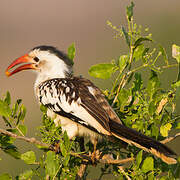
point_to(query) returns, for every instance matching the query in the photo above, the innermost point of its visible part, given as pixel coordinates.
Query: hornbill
(77, 104)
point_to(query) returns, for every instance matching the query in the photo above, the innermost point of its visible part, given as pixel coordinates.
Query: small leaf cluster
(58, 164)
(14, 121)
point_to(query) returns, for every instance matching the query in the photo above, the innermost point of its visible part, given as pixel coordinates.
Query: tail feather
(148, 144)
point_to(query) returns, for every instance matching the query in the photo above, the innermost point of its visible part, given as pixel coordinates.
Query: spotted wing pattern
(76, 97)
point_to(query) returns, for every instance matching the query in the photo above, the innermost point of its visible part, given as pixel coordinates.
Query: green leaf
(153, 84)
(26, 175)
(12, 150)
(138, 52)
(155, 130)
(176, 84)
(22, 114)
(23, 129)
(123, 60)
(43, 108)
(51, 164)
(129, 11)
(164, 178)
(139, 41)
(148, 165)
(178, 125)
(6, 140)
(66, 141)
(164, 54)
(103, 71)
(139, 158)
(144, 54)
(8, 98)
(176, 52)
(63, 148)
(7, 122)
(177, 171)
(164, 129)
(29, 157)
(152, 108)
(137, 83)
(66, 160)
(126, 36)
(4, 109)
(71, 52)
(123, 97)
(151, 176)
(5, 176)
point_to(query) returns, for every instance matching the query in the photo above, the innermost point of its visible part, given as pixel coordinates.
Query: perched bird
(77, 104)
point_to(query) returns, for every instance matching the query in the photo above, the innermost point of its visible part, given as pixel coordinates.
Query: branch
(119, 87)
(124, 173)
(116, 161)
(81, 171)
(30, 140)
(86, 158)
(170, 138)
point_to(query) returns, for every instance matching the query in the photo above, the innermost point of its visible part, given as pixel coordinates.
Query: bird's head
(47, 61)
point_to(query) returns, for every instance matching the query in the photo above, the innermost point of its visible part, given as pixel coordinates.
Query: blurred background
(26, 24)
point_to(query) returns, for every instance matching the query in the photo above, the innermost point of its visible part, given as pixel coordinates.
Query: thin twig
(81, 171)
(170, 138)
(117, 93)
(169, 66)
(116, 161)
(123, 172)
(30, 140)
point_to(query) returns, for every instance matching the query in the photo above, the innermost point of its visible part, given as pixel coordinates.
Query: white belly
(73, 129)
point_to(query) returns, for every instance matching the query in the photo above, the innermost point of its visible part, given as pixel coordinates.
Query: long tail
(148, 144)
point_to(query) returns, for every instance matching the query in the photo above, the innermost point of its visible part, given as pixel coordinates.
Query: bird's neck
(51, 75)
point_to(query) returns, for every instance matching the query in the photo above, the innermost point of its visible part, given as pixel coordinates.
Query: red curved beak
(25, 63)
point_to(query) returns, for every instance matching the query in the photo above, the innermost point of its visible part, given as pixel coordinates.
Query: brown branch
(161, 105)
(170, 138)
(30, 140)
(124, 173)
(85, 157)
(115, 161)
(81, 171)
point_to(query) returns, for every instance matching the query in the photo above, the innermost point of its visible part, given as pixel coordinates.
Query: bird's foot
(94, 156)
(55, 147)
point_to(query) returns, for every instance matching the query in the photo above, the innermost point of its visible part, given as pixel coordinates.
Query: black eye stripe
(36, 59)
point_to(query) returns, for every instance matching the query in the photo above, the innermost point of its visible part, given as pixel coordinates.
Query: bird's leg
(93, 155)
(55, 147)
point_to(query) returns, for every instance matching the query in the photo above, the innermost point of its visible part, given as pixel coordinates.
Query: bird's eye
(36, 59)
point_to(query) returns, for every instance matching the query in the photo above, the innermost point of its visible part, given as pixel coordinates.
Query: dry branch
(86, 158)
(30, 140)
(170, 138)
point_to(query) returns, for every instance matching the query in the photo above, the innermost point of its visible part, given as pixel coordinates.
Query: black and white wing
(79, 100)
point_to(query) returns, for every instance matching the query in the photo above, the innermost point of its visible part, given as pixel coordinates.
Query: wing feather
(73, 96)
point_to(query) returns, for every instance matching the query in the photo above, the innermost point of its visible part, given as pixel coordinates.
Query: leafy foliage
(141, 103)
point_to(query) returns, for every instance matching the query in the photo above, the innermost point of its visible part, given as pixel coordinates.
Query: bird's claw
(55, 147)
